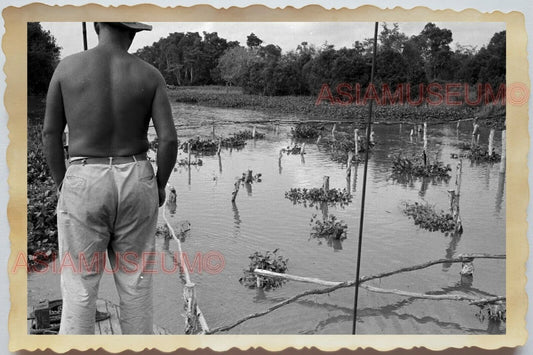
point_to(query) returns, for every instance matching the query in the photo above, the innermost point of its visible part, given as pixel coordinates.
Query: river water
(263, 219)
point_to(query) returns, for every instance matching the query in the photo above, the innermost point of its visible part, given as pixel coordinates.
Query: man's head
(128, 29)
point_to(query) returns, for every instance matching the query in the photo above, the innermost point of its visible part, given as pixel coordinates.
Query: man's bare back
(107, 97)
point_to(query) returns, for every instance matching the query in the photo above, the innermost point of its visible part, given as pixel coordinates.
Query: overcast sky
(285, 34)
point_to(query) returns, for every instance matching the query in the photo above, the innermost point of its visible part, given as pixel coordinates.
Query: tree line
(189, 59)
(192, 59)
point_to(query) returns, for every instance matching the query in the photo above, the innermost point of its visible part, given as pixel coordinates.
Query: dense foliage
(328, 228)
(270, 261)
(188, 58)
(317, 195)
(42, 201)
(425, 216)
(43, 56)
(417, 168)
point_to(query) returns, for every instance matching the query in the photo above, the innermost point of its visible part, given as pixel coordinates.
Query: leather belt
(108, 160)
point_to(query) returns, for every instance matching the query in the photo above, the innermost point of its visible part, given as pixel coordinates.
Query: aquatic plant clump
(417, 168)
(328, 228)
(495, 312)
(305, 131)
(317, 195)
(270, 261)
(248, 134)
(478, 154)
(425, 216)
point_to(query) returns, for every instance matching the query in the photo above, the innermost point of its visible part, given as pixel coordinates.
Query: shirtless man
(109, 194)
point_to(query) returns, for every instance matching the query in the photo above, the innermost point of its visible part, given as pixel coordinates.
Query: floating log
(504, 153)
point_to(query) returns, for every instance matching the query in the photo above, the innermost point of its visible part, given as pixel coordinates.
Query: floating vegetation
(494, 312)
(464, 146)
(306, 131)
(479, 154)
(270, 261)
(328, 228)
(416, 167)
(318, 195)
(425, 216)
(185, 162)
(248, 177)
(200, 145)
(295, 149)
(163, 232)
(248, 134)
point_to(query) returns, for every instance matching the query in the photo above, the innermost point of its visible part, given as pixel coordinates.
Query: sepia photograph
(266, 178)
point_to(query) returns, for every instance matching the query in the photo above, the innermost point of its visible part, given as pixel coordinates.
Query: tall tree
(252, 41)
(43, 56)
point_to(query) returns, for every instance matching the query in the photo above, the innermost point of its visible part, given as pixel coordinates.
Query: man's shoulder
(146, 67)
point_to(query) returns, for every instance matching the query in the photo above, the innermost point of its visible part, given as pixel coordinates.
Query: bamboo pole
(504, 153)
(84, 30)
(363, 193)
(194, 313)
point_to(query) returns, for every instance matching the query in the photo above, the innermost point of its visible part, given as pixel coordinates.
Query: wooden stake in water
(425, 137)
(253, 132)
(504, 153)
(189, 154)
(318, 139)
(356, 138)
(491, 141)
(236, 187)
(325, 184)
(302, 150)
(333, 130)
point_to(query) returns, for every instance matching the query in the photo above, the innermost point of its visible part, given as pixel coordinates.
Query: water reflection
(499, 192)
(236, 220)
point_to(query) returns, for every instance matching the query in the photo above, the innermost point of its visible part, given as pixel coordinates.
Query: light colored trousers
(109, 208)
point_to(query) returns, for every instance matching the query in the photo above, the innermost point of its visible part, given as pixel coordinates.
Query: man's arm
(166, 133)
(53, 127)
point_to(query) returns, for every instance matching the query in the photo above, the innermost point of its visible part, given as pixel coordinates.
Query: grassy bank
(304, 106)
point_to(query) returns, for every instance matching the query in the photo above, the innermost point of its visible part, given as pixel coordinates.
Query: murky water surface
(262, 219)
